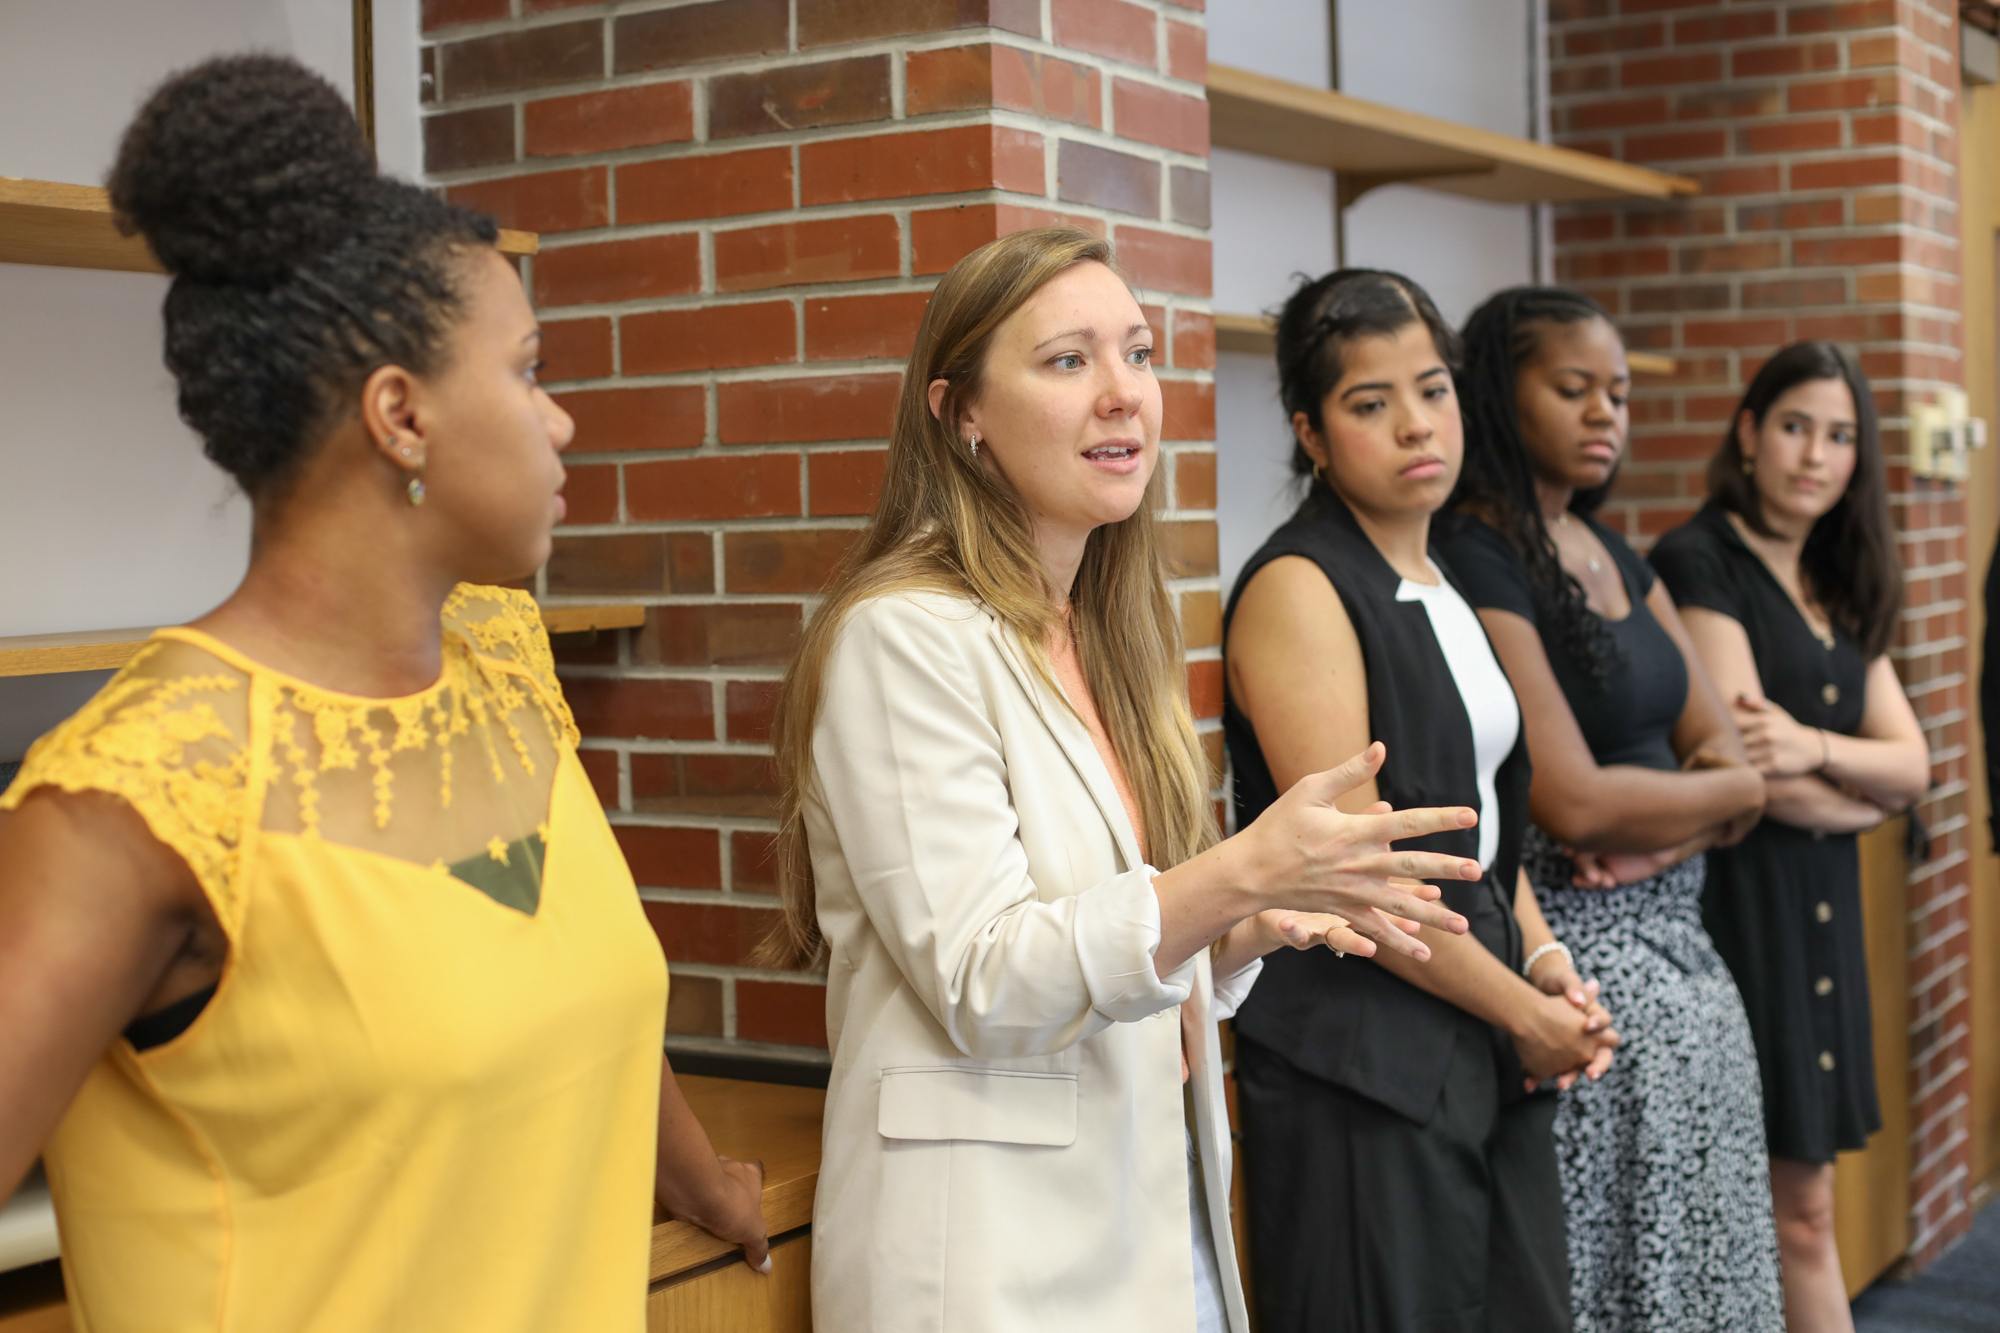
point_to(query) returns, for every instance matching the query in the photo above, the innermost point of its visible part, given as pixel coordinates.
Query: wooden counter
(700, 1284)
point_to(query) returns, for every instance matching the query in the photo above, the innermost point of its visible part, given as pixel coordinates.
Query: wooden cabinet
(1871, 1205)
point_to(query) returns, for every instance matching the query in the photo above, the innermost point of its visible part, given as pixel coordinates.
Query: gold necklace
(1594, 564)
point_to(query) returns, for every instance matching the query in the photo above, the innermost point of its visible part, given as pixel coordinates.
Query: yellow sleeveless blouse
(424, 1096)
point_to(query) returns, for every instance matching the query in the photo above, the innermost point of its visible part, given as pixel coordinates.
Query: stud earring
(1749, 467)
(406, 451)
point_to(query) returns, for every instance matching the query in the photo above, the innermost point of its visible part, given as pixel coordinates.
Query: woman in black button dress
(1789, 585)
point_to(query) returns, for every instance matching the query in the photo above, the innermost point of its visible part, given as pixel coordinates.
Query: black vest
(1347, 1020)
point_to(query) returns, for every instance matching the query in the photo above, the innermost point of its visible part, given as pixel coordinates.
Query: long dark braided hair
(1497, 484)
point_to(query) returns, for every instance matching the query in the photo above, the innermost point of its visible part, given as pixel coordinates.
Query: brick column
(743, 206)
(1825, 139)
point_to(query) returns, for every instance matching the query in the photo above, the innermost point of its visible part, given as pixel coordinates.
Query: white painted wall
(1463, 60)
(109, 514)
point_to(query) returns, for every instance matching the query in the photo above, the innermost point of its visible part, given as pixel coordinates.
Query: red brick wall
(1825, 139)
(743, 204)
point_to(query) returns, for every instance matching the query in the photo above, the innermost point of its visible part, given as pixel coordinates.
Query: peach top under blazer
(1005, 1144)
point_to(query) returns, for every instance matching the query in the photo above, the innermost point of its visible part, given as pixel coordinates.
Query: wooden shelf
(69, 226)
(1258, 335)
(578, 619)
(1371, 145)
(89, 650)
(108, 649)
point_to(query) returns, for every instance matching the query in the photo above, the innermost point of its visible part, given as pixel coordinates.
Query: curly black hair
(1497, 484)
(298, 269)
(1324, 314)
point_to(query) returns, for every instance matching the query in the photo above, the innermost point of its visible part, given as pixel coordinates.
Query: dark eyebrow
(1591, 374)
(1380, 386)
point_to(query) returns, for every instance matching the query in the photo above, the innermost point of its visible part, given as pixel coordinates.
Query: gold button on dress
(1829, 694)
(1824, 986)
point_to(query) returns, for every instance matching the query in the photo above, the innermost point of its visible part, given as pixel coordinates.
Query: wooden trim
(1254, 113)
(561, 619)
(70, 226)
(109, 649)
(88, 650)
(364, 68)
(1258, 336)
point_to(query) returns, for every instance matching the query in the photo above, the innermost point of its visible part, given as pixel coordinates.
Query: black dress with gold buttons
(1784, 905)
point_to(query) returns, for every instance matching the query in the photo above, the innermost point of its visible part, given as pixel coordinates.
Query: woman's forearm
(687, 1175)
(1891, 774)
(1625, 808)
(1201, 901)
(1812, 803)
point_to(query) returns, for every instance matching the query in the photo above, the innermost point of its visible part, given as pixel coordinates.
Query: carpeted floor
(1960, 1293)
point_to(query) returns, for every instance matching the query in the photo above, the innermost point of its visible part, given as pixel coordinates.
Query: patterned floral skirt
(1664, 1174)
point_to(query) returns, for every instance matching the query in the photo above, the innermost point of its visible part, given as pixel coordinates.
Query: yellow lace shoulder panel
(168, 735)
(505, 625)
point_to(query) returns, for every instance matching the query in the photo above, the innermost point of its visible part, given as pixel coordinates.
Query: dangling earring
(1749, 467)
(974, 444)
(415, 490)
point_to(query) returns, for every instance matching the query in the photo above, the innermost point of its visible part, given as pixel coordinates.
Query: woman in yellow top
(324, 990)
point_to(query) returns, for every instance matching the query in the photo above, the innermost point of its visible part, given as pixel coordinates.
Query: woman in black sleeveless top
(1637, 771)
(1789, 583)
(1400, 1176)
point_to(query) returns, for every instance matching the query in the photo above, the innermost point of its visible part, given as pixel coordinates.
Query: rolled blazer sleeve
(1231, 991)
(911, 774)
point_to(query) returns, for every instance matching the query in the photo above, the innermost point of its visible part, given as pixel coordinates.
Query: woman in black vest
(1789, 583)
(1400, 1175)
(1637, 771)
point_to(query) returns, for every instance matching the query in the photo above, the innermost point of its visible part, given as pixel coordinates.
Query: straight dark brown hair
(1849, 564)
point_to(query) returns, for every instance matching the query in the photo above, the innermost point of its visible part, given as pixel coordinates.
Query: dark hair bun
(241, 168)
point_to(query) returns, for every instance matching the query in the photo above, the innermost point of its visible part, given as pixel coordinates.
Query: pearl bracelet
(1553, 946)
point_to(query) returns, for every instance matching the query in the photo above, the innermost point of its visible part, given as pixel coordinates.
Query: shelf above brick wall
(1258, 336)
(109, 649)
(1370, 145)
(70, 226)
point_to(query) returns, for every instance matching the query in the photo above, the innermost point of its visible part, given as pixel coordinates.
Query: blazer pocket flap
(991, 1105)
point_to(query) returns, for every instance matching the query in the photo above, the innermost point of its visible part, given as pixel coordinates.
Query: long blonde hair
(945, 523)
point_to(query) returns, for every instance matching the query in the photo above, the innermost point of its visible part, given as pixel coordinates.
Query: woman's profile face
(1069, 411)
(492, 470)
(1804, 453)
(1392, 442)
(1571, 398)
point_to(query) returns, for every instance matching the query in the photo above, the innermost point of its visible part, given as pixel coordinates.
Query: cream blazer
(1006, 1129)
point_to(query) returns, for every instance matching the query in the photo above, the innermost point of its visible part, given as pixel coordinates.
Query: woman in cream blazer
(983, 735)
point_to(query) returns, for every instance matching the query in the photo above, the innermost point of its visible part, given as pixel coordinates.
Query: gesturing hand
(1314, 858)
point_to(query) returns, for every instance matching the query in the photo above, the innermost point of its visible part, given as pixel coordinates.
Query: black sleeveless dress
(1664, 1172)
(1784, 905)
(1398, 1177)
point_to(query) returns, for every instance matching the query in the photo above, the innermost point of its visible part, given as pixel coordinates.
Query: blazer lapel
(1074, 738)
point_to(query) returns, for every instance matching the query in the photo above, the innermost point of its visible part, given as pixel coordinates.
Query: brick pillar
(1825, 139)
(743, 206)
